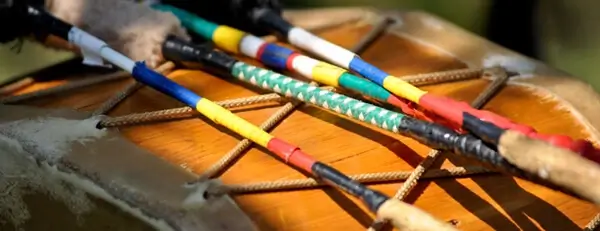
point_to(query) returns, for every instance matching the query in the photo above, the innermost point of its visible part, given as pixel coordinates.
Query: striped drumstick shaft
(329, 100)
(453, 111)
(275, 56)
(278, 57)
(224, 117)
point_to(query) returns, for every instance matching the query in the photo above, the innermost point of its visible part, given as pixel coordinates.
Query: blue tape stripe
(164, 85)
(367, 70)
(275, 56)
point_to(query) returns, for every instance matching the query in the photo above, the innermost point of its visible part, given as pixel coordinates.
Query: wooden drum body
(416, 43)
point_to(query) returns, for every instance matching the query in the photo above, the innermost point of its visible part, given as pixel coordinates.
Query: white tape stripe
(304, 65)
(91, 59)
(89, 46)
(333, 53)
(98, 47)
(250, 45)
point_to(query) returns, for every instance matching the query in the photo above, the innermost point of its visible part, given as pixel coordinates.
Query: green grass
(33, 57)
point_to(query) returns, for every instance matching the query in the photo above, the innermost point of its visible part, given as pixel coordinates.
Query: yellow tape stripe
(224, 117)
(228, 38)
(403, 89)
(327, 74)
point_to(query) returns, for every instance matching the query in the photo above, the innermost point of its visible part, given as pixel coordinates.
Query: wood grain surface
(491, 202)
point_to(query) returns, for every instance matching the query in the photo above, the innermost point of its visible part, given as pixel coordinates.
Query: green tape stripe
(363, 86)
(202, 27)
(329, 100)
(206, 29)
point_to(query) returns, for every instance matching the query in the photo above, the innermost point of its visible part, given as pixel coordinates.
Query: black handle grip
(234, 13)
(181, 51)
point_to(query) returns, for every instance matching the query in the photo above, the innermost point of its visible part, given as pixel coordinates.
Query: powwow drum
(123, 170)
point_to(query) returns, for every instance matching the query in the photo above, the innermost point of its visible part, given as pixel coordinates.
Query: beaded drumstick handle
(278, 57)
(452, 110)
(292, 155)
(426, 132)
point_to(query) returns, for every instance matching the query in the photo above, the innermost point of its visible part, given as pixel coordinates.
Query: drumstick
(278, 57)
(428, 133)
(377, 202)
(452, 110)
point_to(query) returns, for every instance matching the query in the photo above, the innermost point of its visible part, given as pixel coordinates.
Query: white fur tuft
(132, 28)
(511, 63)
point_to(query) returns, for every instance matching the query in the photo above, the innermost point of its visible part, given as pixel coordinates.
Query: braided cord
(329, 100)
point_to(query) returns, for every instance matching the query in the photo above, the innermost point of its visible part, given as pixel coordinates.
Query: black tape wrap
(44, 24)
(442, 138)
(373, 199)
(179, 50)
(269, 19)
(484, 130)
(14, 19)
(234, 13)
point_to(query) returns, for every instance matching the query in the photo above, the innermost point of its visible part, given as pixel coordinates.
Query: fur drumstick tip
(406, 217)
(557, 165)
(134, 29)
(572, 171)
(491, 133)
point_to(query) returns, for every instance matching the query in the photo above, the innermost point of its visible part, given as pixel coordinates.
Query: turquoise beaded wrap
(353, 108)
